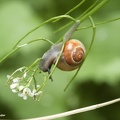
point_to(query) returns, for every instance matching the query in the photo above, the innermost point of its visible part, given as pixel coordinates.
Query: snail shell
(73, 53)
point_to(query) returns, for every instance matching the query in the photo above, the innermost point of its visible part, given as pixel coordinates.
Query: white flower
(13, 85)
(15, 90)
(16, 80)
(8, 76)
(25, 93)
(38, 93)
(20, 87)
(35, 93)
(22, 95)
(25, 74)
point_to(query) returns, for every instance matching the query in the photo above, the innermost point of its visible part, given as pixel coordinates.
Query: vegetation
(28, 28)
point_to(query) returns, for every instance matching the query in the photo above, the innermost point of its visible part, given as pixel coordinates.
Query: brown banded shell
(73, 53)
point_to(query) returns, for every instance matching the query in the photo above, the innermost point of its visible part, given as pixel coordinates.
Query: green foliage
(98, 79)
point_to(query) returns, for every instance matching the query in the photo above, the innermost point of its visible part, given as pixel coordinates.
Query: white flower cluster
(23, 91)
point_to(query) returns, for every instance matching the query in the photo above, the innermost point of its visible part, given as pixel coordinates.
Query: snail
(72, 55)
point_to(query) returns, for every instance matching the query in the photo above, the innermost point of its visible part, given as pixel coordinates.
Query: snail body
(73, 53)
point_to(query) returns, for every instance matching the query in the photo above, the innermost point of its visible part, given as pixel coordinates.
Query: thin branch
(71, 10)
(47, 21)
(80, 110)
(93, 38)
(100, 23)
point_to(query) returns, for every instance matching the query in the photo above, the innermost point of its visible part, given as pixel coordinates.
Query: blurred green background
(99, 78)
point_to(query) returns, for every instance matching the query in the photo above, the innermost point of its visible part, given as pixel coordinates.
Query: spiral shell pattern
(73, 53)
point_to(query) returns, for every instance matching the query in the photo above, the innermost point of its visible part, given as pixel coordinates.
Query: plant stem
(99, 23)
(44, 39)
(90, 8)
(93, 10)
(71, 10)
(47, 21)
(93, 37)
(16, 49)
(76, 111)
(20, 46)
(87, 13)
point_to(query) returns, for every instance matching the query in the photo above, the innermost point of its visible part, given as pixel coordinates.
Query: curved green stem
(87, 13)
(89, 8)
(53, 69)
(47, 21)
(33, 64)
(93, 37)
(9, 54)
(23, 45)
(43, 39)
(71, 10)
(99, 23)
(93, 10)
